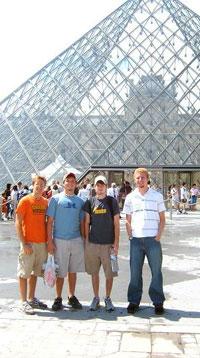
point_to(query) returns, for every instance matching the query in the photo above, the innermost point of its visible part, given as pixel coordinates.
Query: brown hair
(36, 177)
(141, 171)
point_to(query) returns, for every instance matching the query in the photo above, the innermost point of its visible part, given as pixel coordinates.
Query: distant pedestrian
(8, 200)
(194, 192)
(47, 192)
(54, 189)
(184, 197)
(3, 207)
(88, 187)
(14, 201)
(84, 193)
(113, 191)
(176, 198)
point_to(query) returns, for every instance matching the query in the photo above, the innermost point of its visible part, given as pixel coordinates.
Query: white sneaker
(108, 304)
(26, 308)
(95, 304)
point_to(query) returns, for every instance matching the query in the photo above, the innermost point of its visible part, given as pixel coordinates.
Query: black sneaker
(132, 308)
(57, 305)
(159, 309)
(74, 303)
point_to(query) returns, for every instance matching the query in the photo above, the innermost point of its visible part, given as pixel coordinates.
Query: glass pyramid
(126, 94)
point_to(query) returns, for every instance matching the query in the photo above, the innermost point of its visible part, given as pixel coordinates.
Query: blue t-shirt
(67, 213)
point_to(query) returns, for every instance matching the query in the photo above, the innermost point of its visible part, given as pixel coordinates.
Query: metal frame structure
(125, 94)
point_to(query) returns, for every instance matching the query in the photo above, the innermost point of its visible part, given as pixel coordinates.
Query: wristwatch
(130, 237)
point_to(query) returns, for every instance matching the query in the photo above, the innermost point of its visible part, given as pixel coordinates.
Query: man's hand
(158, 237)
(115, 248)
(27, 248)
(51, 247)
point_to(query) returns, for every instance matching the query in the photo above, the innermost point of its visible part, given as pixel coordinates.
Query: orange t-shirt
(33, 212)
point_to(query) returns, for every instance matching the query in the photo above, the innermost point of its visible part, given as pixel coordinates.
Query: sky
(33, 32)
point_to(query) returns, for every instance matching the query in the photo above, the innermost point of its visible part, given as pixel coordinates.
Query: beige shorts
(32, 264)
(97, 255)
(69, 256)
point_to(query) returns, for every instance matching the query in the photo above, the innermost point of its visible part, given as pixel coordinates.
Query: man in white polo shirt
(145, 221)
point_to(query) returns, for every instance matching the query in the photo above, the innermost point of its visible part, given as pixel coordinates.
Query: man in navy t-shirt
(102, 239)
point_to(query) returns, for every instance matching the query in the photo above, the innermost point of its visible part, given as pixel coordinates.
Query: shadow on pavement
(170, 314)
(144, 312)
(84, 314)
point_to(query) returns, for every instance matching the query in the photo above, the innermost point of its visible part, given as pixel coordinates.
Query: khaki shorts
(32, 264)
(97, 255)
(69, 256)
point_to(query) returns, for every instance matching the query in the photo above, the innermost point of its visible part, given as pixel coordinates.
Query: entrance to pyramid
(125, 95)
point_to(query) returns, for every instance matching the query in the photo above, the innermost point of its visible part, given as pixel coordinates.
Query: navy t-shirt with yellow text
(101, 214)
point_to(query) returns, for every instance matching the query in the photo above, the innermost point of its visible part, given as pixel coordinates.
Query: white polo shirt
(145, 211)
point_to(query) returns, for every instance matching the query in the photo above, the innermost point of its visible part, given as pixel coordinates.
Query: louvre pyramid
(125, 94)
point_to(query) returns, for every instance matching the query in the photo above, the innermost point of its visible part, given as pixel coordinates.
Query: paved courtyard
(100, 334)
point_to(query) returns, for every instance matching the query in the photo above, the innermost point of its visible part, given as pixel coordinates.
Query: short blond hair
(141, 171)
(36, 177)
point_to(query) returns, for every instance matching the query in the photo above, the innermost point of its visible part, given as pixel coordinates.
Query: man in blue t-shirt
(65, 231)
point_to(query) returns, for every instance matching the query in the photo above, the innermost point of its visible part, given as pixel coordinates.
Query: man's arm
(161, 225)
(18, 224)
(87, 226)
(128, 225)
(117, 232)
(50, 243)
(82, 227)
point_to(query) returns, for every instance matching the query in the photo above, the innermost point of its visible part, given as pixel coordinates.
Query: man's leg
(25, 307)
(93, 264)
(76, 264)
(57, 305)
(137, 256)
(96, 300)
(31, 287)
(108, 302)
(71, 283)
(23, 288)
(61, 258)
(59, 286)
(72, 299)
(32, 300)
(154, 256)
(95, 284)
(40, 257)
(24, 269)
(109, 284)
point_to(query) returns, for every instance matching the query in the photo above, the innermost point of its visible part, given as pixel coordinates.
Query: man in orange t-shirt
(31, 230)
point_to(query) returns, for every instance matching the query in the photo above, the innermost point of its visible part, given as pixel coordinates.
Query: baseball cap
(69, 174)
(100, 178)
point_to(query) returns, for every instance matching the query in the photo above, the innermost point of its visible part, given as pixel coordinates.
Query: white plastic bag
(50, 271)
